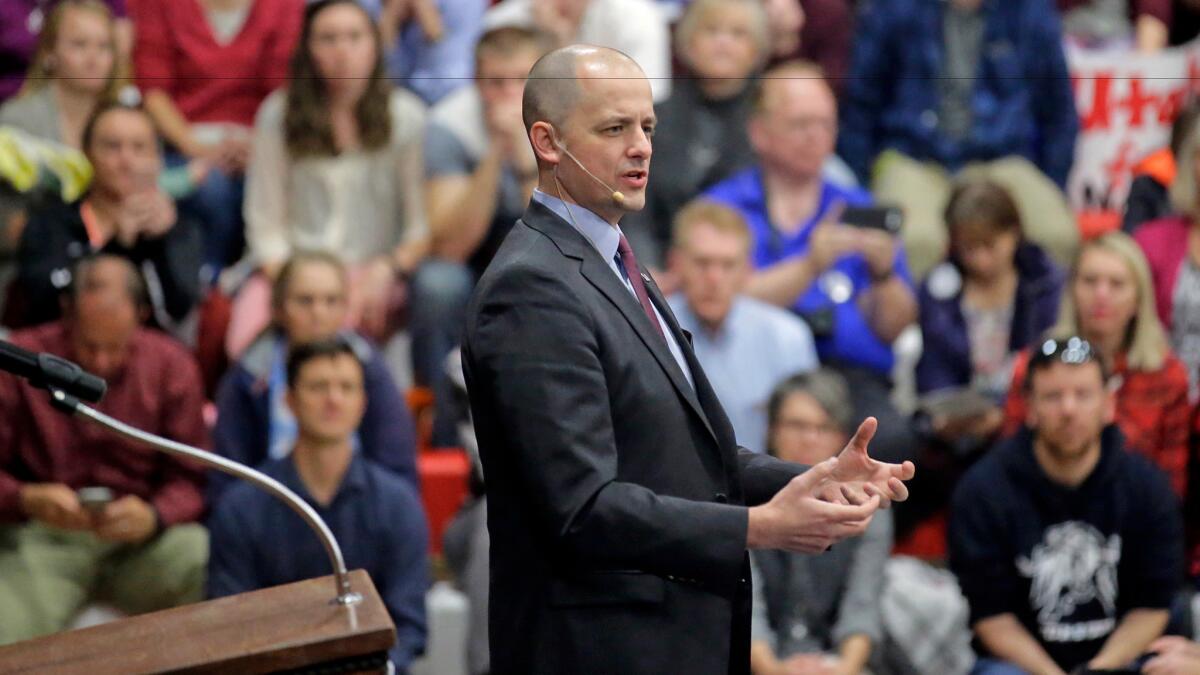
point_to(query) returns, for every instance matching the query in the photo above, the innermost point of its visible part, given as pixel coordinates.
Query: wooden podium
(295, 628)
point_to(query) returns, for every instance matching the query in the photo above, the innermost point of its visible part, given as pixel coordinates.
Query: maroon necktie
(633, 272)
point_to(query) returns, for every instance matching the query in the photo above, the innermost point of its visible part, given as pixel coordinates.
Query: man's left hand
(129, 519)
(856, 477)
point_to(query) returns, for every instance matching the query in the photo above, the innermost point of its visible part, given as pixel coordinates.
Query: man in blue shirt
(745, 345)
(257, 541)
(850, 284)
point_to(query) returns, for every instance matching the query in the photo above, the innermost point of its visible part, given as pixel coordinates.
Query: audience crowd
(261, 221)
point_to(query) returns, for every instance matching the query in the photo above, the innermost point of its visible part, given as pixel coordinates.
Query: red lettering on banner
(1135, 101)
(1118, 169)
(1099, 116)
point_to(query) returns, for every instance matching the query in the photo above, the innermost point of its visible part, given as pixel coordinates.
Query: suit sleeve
(764, 475)
(534, 365)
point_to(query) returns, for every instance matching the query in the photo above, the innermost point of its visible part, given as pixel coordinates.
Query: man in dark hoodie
(1067, 548)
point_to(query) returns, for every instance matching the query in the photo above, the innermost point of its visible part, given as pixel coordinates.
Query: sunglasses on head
(1073, 350)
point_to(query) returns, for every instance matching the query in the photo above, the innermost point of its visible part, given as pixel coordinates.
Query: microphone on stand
(47, 371)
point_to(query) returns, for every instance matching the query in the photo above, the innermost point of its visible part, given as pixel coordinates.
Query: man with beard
(1068, 548)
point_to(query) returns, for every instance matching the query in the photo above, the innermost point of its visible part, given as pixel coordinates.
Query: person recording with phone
(85, 514)
(851, 283)
(124, 213)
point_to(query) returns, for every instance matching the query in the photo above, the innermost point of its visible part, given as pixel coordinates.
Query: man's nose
(641, 148)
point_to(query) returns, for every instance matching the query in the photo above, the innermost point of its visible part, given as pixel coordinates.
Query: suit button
(721, 498)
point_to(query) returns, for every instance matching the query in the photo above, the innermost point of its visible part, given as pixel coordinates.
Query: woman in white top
(336, 165)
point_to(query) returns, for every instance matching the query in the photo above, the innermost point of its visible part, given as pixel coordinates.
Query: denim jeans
(438, 294)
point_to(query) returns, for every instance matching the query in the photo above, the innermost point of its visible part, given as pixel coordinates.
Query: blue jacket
(377, 518)
(946, 357)
(1022, 102)
(243, 403)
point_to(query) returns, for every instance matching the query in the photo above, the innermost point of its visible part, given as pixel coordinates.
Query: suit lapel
(573, 244)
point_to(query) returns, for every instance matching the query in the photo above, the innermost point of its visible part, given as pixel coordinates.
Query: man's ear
(290, 400)
(542, 136)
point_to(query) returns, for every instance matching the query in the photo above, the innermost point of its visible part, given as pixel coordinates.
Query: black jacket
(614, 487)
(56, 238)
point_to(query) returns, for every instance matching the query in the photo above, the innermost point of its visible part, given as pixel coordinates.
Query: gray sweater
(811, 603)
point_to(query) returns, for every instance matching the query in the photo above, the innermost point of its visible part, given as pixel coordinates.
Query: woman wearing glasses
(817, 614)
(1110, 302)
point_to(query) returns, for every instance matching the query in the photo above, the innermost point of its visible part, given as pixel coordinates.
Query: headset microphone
(616, 195)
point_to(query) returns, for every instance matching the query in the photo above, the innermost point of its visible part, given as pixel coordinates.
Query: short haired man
(257, 541)
(851, 284)
(616, 491)
(745, 345)
(309, 302)
(141, 551)
(1068, 548)
(124, 213)
(479, 168)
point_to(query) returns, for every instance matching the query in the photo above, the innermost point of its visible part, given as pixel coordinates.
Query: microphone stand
(345, 596)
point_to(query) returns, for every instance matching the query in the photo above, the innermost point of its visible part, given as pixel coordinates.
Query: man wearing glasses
(1067, 547)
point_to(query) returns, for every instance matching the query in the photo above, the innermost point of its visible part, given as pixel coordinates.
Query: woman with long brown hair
(336, 165)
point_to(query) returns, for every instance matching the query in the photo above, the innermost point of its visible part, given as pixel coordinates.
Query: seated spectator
(73, 70)
(377, 518)
(142, 551)
(1068, 549)
(990, 299)
(431, 43)
(479, 166)
(1144, 24)
(204, 67)
(935, 87)
(254, 423)
(1109, 302)
(851, 284)
(635, 27)
(124, 213)
(1174, 265)
(25, 20)
(745, 345)
(337, 166)
(818, 614)
(721, 44)
(1149, 193)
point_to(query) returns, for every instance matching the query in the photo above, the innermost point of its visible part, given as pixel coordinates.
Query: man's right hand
(54, 504)
(799, 519)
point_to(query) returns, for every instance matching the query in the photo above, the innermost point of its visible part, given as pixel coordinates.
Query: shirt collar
(604, 236)
(354, 480)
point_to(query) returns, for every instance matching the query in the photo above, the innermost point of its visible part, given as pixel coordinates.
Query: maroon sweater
(158, 389)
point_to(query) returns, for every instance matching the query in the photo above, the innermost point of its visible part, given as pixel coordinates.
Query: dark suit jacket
(614, 487)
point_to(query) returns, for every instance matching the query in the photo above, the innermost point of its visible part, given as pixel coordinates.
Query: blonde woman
(1109, 301)
(74, 69)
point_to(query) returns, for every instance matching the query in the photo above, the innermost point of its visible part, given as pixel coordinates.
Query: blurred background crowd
(261, 221)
